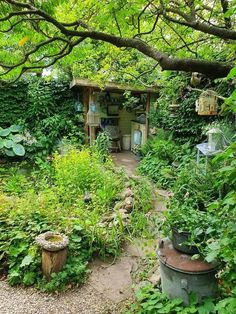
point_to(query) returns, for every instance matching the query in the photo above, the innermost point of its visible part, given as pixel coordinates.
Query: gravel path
(84, 300)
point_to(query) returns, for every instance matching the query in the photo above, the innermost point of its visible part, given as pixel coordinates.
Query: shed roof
(111, 86)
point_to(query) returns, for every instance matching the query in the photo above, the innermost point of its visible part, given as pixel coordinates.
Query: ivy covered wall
(45, 108)
(34, 99)
(14, 103)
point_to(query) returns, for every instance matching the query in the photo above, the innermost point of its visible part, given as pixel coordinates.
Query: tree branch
(197, 25)
(209, 68)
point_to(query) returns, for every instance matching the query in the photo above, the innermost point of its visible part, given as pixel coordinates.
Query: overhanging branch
(167, 62)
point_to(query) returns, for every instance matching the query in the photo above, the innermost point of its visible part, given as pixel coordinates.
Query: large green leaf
(8, 143)
(9, 153)
(16, 128)
(18, 149)
(16, 138)
(5, 132)
(27, 260)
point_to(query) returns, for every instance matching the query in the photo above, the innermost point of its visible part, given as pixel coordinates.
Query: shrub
(163, 159)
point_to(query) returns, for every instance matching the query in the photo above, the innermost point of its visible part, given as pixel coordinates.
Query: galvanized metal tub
(180, 275)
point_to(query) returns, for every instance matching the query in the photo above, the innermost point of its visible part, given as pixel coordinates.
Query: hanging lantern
(78, 106)
(207, 103)
(214, 139)
(93, 115)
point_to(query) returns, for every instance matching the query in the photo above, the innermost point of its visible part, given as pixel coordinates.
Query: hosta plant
(10, 139)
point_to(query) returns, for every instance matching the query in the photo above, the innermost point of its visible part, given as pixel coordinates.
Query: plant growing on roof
(10, 139)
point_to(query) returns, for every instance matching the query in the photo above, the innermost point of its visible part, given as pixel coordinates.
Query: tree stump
(54, 252)
(53, 262)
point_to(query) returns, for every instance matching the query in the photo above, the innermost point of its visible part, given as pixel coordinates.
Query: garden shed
(121, 110)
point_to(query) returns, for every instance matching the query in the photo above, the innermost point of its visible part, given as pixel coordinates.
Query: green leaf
(15, 128)
(27, 260)
(18, 149)
(8, 143)
(17, 138)
(9, 153)
(1, 143)
(5, 132)
(29, 278)
(232, 73)
(207, 307)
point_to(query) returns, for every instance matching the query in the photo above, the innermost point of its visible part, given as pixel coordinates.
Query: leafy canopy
(178, 35)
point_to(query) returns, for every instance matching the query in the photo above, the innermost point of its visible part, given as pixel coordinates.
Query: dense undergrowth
(204, 198)
(204, 205)
(51, 198)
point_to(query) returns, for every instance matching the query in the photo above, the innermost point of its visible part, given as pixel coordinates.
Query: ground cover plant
(150, 300)
(52, 198)
(163, 158)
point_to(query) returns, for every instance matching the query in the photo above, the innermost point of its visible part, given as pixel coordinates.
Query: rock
(87, 197)
(128, 203)
(123, 213)
(128, 193)
(155, 279)
(107, 218)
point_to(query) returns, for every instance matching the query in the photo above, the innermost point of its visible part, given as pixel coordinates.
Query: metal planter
(180, 275)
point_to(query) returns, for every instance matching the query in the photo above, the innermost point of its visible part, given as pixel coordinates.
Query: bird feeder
(54, 251)
(93, 115)
(214, 139)
(207, 103)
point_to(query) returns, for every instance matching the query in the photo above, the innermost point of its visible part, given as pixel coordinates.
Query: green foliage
(10, 139)
(52, 199)
(184, 123)
(222, 247)
(150, 300)
(162, 160)
(103, 145)
(46, 110)
(14, 103)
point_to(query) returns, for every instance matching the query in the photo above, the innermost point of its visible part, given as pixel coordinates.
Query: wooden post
(86, 95)
(53, 262)
(147, 114)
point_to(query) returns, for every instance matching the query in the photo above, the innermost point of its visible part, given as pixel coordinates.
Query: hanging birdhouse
(93, 115)
(207, 103)
(195, 79)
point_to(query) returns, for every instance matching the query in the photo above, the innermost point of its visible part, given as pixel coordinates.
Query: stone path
(125, 160)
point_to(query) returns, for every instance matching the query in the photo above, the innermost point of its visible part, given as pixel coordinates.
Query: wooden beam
(79, 82)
